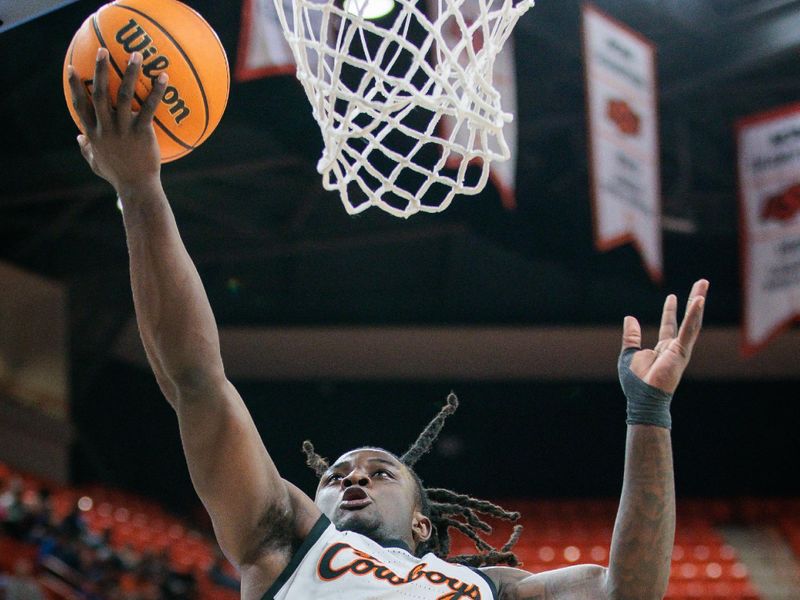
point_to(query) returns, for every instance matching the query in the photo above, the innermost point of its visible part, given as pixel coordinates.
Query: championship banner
(263, 50)
(769, 190)
(623, 138)
(503, 174)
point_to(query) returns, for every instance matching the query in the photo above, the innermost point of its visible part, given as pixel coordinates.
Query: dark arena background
(352, 330)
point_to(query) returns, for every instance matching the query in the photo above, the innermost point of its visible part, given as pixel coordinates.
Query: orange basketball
(172, 38)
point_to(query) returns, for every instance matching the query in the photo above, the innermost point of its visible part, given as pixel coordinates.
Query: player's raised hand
(663, 366)
(119, 143)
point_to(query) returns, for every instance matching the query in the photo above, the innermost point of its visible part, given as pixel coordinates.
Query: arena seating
(564, 533)
(133, 521)
(785, 514)
(557, 534)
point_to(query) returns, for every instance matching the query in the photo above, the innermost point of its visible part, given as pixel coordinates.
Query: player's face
(369, 491)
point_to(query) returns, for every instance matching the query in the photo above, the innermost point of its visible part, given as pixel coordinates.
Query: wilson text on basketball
(133, 38)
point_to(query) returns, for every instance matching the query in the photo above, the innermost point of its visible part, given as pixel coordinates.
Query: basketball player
(372, 531)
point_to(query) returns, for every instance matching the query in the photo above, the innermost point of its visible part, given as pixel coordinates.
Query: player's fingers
(692, 322)
(100, 96)
(127, 89)
(631, 334)
(151, 102)
(669, 319)
(80, 101)
(700, 288)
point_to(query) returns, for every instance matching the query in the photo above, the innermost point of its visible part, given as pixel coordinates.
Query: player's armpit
(581, 582)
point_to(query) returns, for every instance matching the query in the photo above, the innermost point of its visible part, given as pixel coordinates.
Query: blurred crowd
(73, 556)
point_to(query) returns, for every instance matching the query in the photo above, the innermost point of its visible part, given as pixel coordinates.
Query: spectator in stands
(41, 509)
(13, 507)
(95, 569)
(74, 525)
(128, 557)
(67, 551)
(105, 553)
(47, 539)
(178, 586)
(22, 585)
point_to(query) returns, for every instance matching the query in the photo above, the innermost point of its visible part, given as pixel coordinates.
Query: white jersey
(343, 565)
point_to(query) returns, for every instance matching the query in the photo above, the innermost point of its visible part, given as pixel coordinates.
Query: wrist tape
(647, 405)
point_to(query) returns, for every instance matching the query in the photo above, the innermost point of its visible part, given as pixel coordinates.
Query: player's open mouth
(354, 498)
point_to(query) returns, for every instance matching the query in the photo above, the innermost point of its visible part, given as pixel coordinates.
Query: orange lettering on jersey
(363, 564)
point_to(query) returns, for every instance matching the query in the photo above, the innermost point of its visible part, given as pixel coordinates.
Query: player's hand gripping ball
(172, 38)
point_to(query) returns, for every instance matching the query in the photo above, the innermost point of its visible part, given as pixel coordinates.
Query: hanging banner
(263, 50)
(503, 174)
(623, 138)
(769, 191)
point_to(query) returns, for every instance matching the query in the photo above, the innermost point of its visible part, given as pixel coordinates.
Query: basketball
(172, 38)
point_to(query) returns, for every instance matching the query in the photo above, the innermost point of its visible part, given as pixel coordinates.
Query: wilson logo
(133, 38)
(349, 560)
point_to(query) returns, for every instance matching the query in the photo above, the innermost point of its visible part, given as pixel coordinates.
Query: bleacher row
(557, 534)
(563, 533)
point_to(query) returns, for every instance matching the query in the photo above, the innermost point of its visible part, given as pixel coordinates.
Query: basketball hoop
(381, 95)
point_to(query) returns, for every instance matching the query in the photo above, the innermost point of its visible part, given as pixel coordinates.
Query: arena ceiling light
(369, 9)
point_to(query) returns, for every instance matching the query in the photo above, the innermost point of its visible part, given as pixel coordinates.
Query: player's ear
(421, 527)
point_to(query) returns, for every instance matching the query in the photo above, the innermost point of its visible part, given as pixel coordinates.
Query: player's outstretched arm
(641, 546)
(250, 505)
(644, 532)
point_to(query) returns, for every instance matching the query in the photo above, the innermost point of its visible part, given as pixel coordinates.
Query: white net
(398, 99)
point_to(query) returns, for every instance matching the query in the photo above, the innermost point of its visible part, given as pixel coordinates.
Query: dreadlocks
(447, 509)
